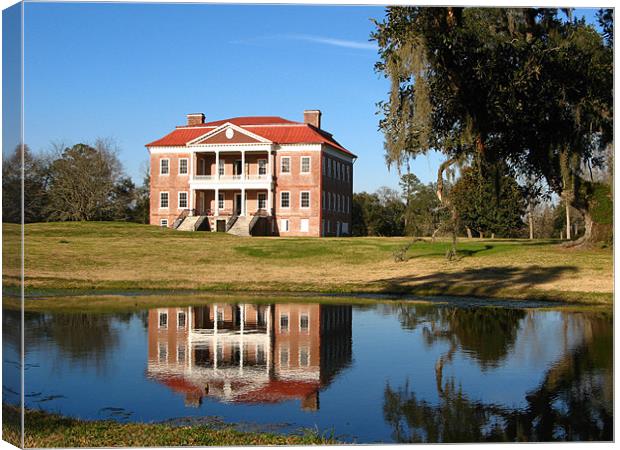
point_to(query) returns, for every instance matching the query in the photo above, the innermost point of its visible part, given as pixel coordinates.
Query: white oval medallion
(229, 133)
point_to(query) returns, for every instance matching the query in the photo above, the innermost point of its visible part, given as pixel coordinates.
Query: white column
(217, 165)
(270, 199)
(190, 201)
(217, 201)
(242, 165)
(243, 201)
(270, 168)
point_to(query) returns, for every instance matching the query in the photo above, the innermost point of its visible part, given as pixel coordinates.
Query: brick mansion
(260, 175)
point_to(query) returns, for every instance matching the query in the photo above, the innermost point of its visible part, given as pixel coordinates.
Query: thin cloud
(325, 40)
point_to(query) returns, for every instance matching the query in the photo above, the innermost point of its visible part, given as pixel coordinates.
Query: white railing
(231, 177)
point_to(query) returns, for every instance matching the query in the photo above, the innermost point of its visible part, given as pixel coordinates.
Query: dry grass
(118, 256)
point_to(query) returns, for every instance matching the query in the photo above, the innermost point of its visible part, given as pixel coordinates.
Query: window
(305, 199)
(262, 201)
(323, 166)
(284, 356)
(163, 223)
(183, 166)
(220, 201)
(345, 227)
(220, 168)
(262, 167)
(304, 225)
(285, 199)
(182, 200)
(328, 227)
(305, 164)
(348, 204)
(349, 173)
(164, 166)
(323, 205)
(285, 164)
(304, 356)
(220, 316)
(283, 322)
(260, 354)
(181, 319)
(163, 320)
(181, 353)
(163, 199)
(284, 225)
(329, 167)
(304, 322)
(323, 227)
(162, 351)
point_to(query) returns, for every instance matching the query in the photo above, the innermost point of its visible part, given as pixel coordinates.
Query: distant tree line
(486, 206)
(80, 182)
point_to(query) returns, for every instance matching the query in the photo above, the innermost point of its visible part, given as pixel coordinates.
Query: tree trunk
(481, 233)
(531, 221)
(568, 225)
(492, 235)
(469, 236)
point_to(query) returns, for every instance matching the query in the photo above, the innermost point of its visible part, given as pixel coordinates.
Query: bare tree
(83, 178)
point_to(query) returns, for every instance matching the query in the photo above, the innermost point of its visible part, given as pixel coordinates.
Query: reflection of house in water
(249, 353)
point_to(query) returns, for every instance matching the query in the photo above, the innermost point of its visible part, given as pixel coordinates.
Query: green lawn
(130, 257)
(44, 430)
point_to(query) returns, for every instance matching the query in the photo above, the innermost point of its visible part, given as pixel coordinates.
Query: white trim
(288, 322)
(307, 349)
(161, 314)
(334, 152)
(185, 324)
(258, 195)
(284, 349)
(301, 165)
(167, 198)
(288, 225)
(301, 227)
(159, 347)
(258, 161)
(161, 160)
(179, 200)
(289, 199)
(301, 206)
(223, 127)
(282, 158)
(186, 166)
(184, 347)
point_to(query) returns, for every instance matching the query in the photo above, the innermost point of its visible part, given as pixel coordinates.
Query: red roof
(274, 129)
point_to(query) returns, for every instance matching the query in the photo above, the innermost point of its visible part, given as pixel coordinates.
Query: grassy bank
(118, 257)
(50, 430)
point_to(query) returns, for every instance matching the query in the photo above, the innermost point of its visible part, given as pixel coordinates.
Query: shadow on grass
(487, 281)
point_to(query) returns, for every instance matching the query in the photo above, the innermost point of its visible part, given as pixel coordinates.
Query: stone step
(188, 223)
(241, 226)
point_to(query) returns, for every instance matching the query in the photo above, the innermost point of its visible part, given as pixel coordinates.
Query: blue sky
(132, 72)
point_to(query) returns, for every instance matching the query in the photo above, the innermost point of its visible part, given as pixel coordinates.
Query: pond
(387, 372)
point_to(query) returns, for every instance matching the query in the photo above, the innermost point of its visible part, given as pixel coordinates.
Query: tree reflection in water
(573, 402)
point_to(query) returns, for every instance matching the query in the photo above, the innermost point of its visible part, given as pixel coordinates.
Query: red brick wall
(332, 185)
(172, 183)
(296, 182)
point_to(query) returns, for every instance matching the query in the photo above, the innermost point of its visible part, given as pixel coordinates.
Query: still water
(382, 373)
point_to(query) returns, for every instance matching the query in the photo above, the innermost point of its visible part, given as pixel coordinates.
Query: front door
(238, 204)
